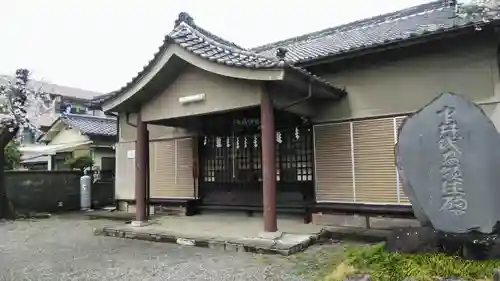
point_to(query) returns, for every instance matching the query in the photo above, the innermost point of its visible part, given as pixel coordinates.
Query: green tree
(12, 155)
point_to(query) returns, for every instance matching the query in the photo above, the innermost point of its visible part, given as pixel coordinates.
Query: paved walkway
(64, 248)
(224, 232)
(232, 225)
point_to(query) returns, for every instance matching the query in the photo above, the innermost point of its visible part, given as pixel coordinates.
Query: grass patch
(335, 262)
(387, 266)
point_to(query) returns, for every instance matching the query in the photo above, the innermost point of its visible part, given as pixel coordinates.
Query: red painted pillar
(268, 136)
(141, 170)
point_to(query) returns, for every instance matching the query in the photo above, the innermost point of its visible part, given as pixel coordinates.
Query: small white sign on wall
(130, 154)
(192, 98)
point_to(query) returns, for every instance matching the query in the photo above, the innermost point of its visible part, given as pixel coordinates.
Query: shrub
(80, 163)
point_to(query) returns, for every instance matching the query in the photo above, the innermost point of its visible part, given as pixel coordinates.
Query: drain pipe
(281, 54)
(117, 116)
(309, 95)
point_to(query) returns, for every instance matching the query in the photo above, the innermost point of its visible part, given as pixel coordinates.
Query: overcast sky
(101, 44)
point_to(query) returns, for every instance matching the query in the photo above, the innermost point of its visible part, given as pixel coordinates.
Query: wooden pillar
(268, 136)
(141, 170)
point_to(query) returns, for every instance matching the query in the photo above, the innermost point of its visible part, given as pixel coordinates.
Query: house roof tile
(206, 45)
(199, 42)
(91, 125)
(430, 18)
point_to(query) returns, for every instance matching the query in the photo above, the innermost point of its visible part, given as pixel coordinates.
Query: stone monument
(448, 158)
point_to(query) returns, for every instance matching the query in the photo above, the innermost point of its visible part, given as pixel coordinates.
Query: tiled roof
(204, 44)
(430, 18)
(192, 39)
(91, 125)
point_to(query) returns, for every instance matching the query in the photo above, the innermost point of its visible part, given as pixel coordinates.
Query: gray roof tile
(429, 18)
(200, 42)
(91, 125)
(197, 42)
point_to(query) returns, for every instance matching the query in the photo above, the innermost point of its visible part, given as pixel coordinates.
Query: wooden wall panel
(171, 169)
(333, 163)
(355, 162)
(374, 161)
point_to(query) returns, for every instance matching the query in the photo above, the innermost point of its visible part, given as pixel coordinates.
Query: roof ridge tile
(437, 17)
(219, 46)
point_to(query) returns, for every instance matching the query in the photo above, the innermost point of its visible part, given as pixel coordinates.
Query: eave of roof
(204, 44)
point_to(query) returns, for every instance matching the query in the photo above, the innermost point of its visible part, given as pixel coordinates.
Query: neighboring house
(75, 135)
(66, 100)
(203, 98)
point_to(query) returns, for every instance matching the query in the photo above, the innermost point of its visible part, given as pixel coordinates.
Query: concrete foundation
(229, 233)
(240, 233)
(375, 222)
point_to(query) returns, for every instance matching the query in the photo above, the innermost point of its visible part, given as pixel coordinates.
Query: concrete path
(64, 248)
(224, 232)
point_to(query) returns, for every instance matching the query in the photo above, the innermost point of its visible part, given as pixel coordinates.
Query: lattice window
(210, 163)
(228, 159)
(243, 163)
(295, 156)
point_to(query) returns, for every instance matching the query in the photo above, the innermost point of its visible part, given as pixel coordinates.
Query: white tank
(85, 192)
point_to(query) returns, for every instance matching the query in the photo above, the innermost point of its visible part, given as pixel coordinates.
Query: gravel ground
(64, 248)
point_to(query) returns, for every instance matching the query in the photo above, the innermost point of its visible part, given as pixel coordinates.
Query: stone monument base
(473, 245)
